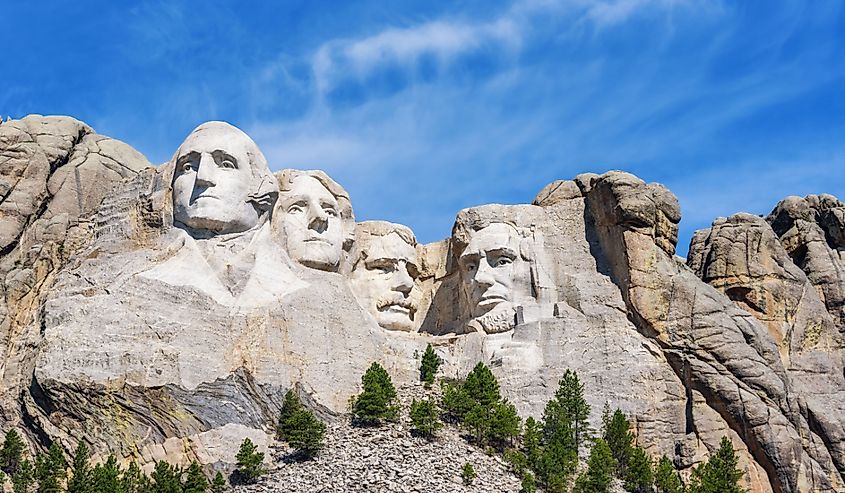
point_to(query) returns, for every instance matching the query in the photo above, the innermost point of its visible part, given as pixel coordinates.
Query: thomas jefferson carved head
(314, 218)
(221, 183)
(494, 268)
(384, 267)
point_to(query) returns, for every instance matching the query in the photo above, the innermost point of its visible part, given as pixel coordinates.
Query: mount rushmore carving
(163, 312)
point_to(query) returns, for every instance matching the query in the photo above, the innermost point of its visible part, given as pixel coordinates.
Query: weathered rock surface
(156, 338)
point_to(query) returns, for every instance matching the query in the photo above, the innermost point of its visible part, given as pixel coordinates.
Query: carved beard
(500, 319)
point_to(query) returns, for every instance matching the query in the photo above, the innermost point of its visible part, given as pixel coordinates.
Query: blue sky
(422, 108)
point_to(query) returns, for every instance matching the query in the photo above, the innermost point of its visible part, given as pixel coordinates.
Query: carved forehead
(306, 186)
(286, 178)
(496, 236)
(217, 135)
(390, 246)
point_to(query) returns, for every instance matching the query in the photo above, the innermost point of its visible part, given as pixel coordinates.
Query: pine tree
(166, 478)
(569, 409)
(532, 437)
(719, 474)
(639, 476)
(558, 458)
(467, 473)
(599, 474)
(481, 386)
(376, 402)
(305, 432)
(290, 406)
(619, 439)
(24, 477)
(529, 484)
(482, 389)
(50, 469)
(455, 402)
(105, 477)
(218, 485)
(425, 417)
(666, 478)
(504, 424)
(134, 480)
(429, 365)
(195, 481)
(80, 480)
(11, 453)
(249, 461)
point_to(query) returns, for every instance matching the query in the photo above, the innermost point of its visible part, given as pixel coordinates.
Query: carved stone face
(492, 272)
(383, 279)
(311, 222)
(212, 181)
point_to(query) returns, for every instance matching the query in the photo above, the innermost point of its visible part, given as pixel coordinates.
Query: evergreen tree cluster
(477, 404)
(299, 427)
(48, 473)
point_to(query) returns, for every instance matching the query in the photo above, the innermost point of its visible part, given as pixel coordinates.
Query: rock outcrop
(163, 312)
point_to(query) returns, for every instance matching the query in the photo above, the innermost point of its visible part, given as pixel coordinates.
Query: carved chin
(498, 320)
(395, 320)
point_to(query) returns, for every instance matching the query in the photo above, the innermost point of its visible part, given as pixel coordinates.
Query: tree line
(544, 453)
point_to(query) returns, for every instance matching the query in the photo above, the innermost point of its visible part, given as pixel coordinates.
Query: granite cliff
(163, 312)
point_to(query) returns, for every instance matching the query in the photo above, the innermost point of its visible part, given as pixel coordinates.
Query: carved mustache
(395, 300)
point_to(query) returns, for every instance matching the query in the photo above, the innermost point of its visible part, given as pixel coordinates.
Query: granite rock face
(163, 312)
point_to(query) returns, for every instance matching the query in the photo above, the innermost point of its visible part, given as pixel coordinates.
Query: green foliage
(504, 424)
(455, 401)
(166, 478)
(558, 458)
(429, 365)
(719, 474)
(50, 469)
(302, 430)
(249, 461)
(195, 481)
(532, 441)
(11, 453)
(615, 432)
(80, 480)
(376, 402)
(105, 477)
(666, 478)
(639, 476)
(568, 407)
(24, 477)
(289, 407)
(425, 417)
(529, 484)
(134, 480)
(556, 483)
(481, 386)
(467, 473)
(218, 485)
(599, 474)
(305, 432)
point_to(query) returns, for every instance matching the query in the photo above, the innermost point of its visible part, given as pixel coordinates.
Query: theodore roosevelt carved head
(383, 271)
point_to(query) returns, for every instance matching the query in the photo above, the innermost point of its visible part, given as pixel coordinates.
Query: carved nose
(207, 172)
(484, 274)
(402, 281)
(319, 221)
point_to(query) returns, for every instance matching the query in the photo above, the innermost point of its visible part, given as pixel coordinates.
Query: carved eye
(330, 211)
(470, 266)
(187, 166)
(503, 261)
(227, 163)
(296, 209)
